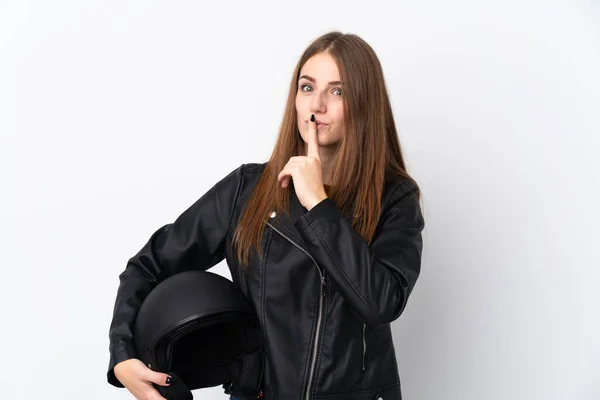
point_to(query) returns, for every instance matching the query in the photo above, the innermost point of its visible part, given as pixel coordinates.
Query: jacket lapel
(285, 223)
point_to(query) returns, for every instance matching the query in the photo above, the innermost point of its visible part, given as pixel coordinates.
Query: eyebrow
(313, 80)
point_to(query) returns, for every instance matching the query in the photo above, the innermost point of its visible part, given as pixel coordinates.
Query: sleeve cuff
(116, 356)
(324, 210)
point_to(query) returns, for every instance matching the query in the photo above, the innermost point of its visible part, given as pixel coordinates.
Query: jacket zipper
(318, 330)
(364, 367)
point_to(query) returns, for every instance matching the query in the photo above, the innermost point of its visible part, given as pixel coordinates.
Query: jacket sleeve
(195, 240)
(375, 279)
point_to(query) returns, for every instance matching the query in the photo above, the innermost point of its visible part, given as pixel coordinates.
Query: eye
(303, 86)
(338, 90)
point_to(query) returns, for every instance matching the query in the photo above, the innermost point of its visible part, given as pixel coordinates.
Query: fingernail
(312, 117)
(170, 380)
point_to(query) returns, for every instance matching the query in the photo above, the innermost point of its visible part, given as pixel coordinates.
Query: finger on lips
(313, 143)
(312, 149)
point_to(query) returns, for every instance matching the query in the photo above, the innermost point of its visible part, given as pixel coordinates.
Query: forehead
(321, 67)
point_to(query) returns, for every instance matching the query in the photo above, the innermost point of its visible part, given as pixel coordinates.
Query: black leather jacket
(325, 298)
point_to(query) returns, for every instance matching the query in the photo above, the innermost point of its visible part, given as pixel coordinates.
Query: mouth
(319, 124)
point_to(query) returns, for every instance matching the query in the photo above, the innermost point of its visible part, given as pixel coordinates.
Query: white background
(115, 116)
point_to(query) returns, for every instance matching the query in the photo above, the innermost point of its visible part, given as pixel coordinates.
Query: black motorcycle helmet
(199, 328)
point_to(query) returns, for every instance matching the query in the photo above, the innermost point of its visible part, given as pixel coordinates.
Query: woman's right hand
(138, 379)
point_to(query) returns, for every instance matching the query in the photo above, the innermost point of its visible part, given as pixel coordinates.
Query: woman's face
(319, 92)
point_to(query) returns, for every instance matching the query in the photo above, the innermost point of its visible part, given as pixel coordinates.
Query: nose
(317, 104)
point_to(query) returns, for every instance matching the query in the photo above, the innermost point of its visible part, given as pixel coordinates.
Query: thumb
(160, 378)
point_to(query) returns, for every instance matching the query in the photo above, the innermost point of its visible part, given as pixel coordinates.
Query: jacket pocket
(364, 347)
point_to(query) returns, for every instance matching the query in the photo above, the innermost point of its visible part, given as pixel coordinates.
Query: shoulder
(398, 188)
(403, 198)
(242, 171)
(253, 168)
(243, 178)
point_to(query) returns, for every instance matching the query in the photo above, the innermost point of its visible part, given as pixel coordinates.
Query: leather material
(325, 299)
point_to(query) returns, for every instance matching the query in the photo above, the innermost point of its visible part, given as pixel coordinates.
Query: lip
(319, 123)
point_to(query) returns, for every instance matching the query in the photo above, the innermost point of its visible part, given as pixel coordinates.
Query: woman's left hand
(306, 172)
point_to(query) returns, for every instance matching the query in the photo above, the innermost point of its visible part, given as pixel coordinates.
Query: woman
(324, 238)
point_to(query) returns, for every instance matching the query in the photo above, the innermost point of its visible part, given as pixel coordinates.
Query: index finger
(313, 140)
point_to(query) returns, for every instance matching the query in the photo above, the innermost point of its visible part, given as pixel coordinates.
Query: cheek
(299, 113)
(298, 108)
(339, 118)
(299, 104)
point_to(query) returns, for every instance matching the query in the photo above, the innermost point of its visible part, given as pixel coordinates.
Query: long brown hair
(368, 155)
